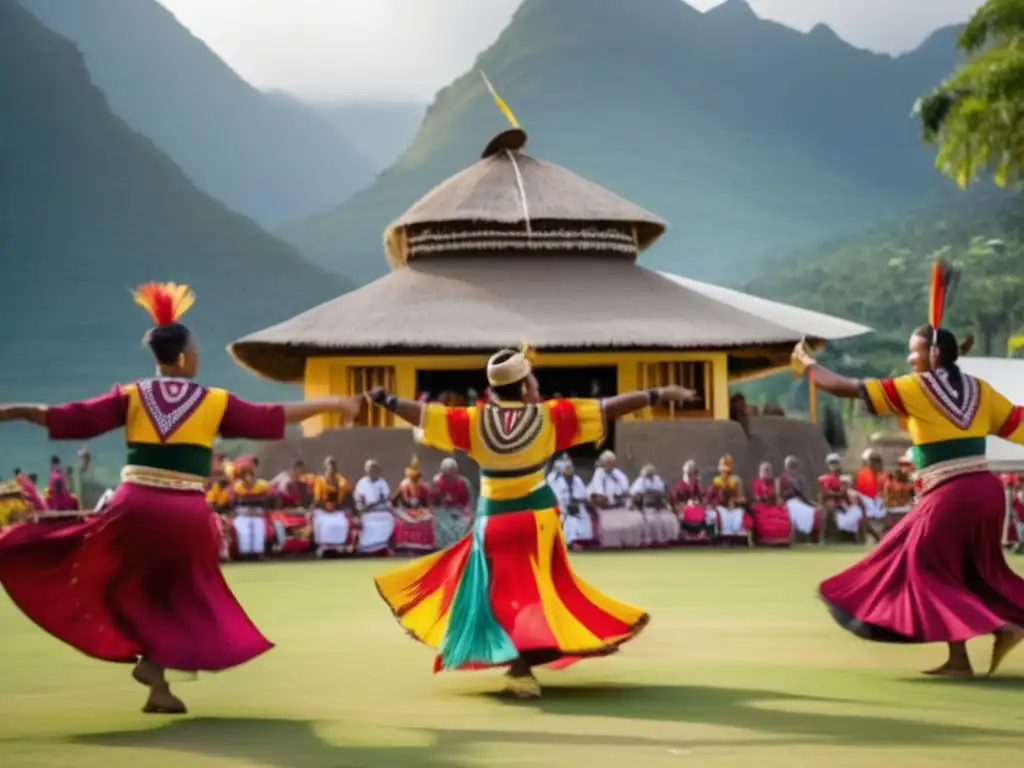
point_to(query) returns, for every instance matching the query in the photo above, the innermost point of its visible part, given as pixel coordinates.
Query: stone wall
(666, 444)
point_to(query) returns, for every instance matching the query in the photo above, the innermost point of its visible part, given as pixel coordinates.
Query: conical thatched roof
(509, 200)
(451, 303)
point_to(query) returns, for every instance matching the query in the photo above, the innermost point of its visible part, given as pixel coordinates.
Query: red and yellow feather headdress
(165, 302)
(944, 278)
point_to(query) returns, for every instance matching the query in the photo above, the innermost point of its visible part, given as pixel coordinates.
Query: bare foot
(1006, 640)
(523, 686)
(161, 700)
(949, 670)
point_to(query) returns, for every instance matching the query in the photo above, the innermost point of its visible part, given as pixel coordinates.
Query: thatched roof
(575, 301)
(799, 320)
(483, 206)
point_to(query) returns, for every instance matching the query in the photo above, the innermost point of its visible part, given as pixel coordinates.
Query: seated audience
(334, 530)
(453, 504)
(573, 504)
(696, 519)
(649, 495)
(294, 491)
(868, 483)
(726, 497)
(58, 496)
(839, 508)
(898, 491)
(373, 507)
(772, 525)
(849, 514)
(796, 495)
(617, 525)
(250, 500)
(414, 523)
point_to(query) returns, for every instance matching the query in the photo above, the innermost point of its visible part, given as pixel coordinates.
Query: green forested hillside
(272, 159)
(750, 138)
(88, 209)
(880, 278)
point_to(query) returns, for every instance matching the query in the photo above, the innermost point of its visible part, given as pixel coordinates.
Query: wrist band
(391, 403)
(654, 396)
(379, 396)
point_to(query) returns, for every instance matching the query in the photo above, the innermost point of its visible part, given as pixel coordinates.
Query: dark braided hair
(949, 349)
(167, 342)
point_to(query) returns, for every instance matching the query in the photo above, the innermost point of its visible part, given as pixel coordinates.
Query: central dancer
(505, 595)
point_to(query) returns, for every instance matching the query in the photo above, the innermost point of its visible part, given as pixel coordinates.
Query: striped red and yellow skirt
(505, 591)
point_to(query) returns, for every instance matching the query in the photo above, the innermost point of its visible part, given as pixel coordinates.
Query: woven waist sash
(936, 474)
(161, 478)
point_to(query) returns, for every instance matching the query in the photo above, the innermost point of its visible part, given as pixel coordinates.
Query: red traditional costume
(772, 526)
(291, 518)
(414, 524)
(940, 575)
(695, 520)
(143, 579)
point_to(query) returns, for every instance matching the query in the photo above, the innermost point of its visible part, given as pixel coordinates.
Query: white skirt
(579, 527)
(330, 528)
(848, 518)
(730, 521)
(801, 515)
(378, 527)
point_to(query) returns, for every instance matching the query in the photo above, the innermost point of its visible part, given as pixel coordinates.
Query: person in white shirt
(661, 526)
(373, 505)
(571, 492)
(618, 525)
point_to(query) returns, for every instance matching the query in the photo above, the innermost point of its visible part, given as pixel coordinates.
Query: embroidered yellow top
(512, 443)
(947, 418)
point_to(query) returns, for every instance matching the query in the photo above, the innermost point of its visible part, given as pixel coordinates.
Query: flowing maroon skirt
(142, 579)
(939, 576)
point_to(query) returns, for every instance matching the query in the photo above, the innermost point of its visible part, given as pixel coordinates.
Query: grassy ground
(741, 666)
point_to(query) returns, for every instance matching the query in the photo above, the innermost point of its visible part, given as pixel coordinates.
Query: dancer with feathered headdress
(142, 583)
(940, 575)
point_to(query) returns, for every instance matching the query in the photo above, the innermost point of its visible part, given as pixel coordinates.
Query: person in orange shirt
(332, 524)
(868, 484)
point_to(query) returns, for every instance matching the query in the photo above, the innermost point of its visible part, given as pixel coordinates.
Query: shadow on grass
(295, 743)
(746, 709)
(992, 683)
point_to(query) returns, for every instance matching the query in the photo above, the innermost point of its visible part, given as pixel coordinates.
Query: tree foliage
(976, 117)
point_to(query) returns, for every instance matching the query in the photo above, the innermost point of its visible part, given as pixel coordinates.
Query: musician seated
(335, 529)
(772, 525)
(850, 514)
(291, 518)
(696, 518)
(414, 520)
(842, 513)
(898, 491)
(650, 497)
(794, 490)
(573, 504)
(373, 506)
(453, 504)
(251, 499)
(617, 524)
(726, 497)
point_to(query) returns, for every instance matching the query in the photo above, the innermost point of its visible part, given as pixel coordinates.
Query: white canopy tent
(1007, 376)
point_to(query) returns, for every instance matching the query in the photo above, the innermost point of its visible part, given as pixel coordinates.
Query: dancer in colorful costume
(505, 595)
(940, 574)
(141, 584)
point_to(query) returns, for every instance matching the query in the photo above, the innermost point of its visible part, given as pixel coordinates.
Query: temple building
(515, 249)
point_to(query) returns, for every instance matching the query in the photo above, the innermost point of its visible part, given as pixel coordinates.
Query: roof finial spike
(500, 101)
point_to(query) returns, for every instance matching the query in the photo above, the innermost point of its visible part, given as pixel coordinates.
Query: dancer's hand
(801, 358)
(348, 406)
(676, 394)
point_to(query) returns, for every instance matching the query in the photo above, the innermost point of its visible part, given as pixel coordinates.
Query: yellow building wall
(330, 375)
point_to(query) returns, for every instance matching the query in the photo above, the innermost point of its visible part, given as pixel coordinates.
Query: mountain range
(272, 159)
(90, 208)
(750, 138)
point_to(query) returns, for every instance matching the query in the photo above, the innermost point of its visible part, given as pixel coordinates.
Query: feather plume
(165, 302)
(944, 279)
(500, 101)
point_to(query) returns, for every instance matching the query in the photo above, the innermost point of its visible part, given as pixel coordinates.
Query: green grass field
(741, 666)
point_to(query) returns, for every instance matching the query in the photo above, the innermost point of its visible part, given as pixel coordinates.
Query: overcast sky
(400, 50)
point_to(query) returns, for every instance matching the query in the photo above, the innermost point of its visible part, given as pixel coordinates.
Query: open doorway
(461, 386)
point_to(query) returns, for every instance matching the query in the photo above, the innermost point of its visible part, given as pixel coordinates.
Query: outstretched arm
(631, 402)
(33, 414)
(410, 411)
(266, 421)
(823, 378)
